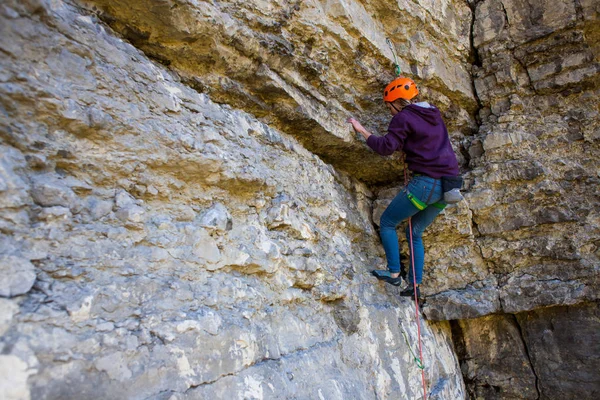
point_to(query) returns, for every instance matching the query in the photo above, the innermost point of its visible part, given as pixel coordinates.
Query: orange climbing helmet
(400, 88)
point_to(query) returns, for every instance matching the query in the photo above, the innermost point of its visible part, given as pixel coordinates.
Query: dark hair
(401, 103)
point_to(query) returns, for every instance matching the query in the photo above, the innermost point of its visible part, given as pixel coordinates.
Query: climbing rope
(396, 65)
(412, 258)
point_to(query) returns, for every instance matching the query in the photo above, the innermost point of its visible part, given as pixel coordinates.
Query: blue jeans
(427, 190)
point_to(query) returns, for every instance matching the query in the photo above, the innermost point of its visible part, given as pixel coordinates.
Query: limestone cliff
(305, 66)
(184, 213)
(157, 245)
(535, 204)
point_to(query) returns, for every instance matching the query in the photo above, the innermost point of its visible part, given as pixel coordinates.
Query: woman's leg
(399, 209)
(419, 222)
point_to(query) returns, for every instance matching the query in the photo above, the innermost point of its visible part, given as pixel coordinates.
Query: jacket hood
(426, 111)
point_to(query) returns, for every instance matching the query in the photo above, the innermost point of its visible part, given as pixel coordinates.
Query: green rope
(415, 358)
(396, 65)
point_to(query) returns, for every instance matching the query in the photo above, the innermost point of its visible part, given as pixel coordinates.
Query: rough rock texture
(535, 194)
(494, 359)
(564, 348)
(17, 275)
(533, 199)
(182, 249)
(179, 248)
(551, 353)
(528, 235)
(529, 231)
(305, 66)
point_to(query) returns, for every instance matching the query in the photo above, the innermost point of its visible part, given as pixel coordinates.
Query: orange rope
(412, 258)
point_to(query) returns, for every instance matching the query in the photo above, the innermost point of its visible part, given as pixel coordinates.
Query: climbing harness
(421, 205)
(412, 259)
(416, 202)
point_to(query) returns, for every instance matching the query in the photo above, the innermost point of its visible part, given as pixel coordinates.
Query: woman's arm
(359, 128)
(385, 145)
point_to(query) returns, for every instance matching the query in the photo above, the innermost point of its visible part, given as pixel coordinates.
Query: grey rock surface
(17, 275)
(170, 245)
(532, 206)
(564, 349)
(47, 191)
(494, 358)
(549, 354)
(183, 249)
(216, 218)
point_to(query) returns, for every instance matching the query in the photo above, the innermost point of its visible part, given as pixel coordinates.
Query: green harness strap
(439, 205)
(416, 202)
(420, 205)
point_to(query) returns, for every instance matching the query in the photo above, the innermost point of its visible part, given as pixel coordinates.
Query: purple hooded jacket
(419, 131)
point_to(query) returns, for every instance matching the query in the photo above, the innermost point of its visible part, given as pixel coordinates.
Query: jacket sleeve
(393, 140)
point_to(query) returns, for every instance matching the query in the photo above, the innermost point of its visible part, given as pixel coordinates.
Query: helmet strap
(394, 107)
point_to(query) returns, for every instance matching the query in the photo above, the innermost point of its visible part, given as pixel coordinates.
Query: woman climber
(418, 130)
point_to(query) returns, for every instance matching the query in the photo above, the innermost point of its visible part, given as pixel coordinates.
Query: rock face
(532, 186)
(180, 249)
(186, 215)
(494, 359)
(306, 66)
(533, 202)
(17, 276)
(551, 353)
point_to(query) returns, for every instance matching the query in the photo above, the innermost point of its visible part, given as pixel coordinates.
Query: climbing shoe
(409, 291)
(386, 276)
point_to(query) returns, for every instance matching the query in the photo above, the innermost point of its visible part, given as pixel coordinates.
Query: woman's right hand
(356, 125)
